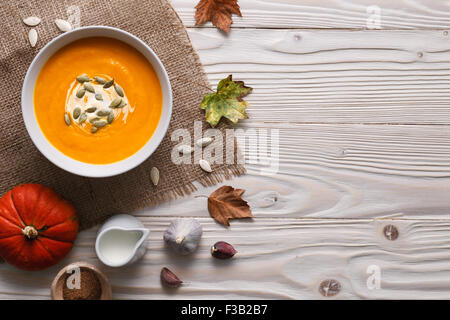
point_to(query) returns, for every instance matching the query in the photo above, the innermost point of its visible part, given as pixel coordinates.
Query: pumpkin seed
(32, 37)
(32, 21)
(108, 84)
(80, 93)
(154, 175)
(89, 87)
(63, 25)
(83, 118)
(118, 89)
(122, 104)
(110, 117)
(103, 113)
(116, 102)
(99, 123)
(205, 165)
(94, 129)
(94, 119)
(100, 80)
(83, 78)
(203, 141)
(91, 109)
(99, 96)
(67, 119)
(76, 113)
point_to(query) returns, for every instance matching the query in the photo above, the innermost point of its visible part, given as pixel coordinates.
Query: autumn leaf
(226, 203)
(226, 102)
(218, 12)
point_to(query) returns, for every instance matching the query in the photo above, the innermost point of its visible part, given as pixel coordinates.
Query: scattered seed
(67, 119)
(91, 109)
(80, 93)
(76, 113)
(118, 89)
(103, 113)
(63, 25)
(203, 142)
(110, 117)
(98, 96)
(185, 149)
(100, 80)
(32, 37)
(83, 118)
(154, 175)
(108, 84)
(32, 21)
(89, 87)
(205, 165)
(94, 119)
(94, 129)
(115, 102)
(83, 78)
(99, 123)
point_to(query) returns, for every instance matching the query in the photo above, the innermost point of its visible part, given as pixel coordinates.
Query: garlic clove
(183, 235)
(169, 279)
(222, 250)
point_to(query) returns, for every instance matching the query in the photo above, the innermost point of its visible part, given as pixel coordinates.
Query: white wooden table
(364, 122)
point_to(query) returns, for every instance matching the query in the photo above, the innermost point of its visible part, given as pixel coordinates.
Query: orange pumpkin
(37, 227)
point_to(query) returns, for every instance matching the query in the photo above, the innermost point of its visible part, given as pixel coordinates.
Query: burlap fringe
(213, 178)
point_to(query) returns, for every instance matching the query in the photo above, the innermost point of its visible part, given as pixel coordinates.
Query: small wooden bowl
(58, 282)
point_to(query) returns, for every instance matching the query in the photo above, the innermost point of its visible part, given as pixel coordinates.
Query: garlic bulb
(183, 235)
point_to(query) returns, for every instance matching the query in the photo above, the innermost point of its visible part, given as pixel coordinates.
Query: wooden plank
(340, 76)
(277, 259)
(400, 14)
(341, 171)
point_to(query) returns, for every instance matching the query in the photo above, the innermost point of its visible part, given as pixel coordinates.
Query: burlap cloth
(157, 24)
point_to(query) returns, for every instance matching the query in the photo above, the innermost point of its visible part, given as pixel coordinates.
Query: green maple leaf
(226, 102)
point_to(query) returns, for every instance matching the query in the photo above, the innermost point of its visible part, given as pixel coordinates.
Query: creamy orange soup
(133, 122)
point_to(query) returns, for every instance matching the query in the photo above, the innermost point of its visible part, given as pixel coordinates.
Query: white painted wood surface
(364, 132)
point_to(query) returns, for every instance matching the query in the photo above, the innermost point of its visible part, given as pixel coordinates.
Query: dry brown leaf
(226, 203)
(218, 12)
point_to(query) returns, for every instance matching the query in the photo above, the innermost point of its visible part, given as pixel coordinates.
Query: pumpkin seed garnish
(108, 84)
(91, 109)
(83, 118)
(115, 102)
(110, 117)
(94, 119)
(94, 129)
(99, 123)
(121, 105)
(83, 78)
(99, 96)
(67, 119)
(103, 113)
(80, 93)
(100, 80)
(76, 113)
(89, 87)
(118, 89)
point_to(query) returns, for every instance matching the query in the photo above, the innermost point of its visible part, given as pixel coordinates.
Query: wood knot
(390, 232)
(329, 287)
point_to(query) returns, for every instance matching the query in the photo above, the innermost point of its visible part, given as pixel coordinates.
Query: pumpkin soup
(98, 100)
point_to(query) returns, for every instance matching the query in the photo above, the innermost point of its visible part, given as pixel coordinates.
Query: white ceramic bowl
(57, 157)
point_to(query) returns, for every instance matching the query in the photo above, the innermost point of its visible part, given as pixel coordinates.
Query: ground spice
(90, 287)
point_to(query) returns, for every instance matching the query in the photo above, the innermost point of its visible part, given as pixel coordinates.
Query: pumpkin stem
(30, 232)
